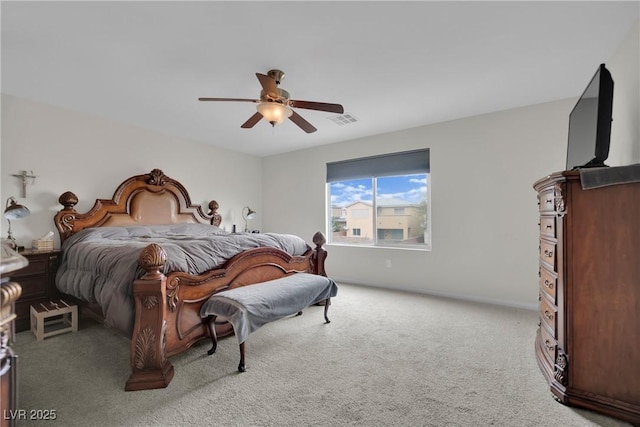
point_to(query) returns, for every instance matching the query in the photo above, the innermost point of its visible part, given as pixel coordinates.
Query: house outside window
(380, 201)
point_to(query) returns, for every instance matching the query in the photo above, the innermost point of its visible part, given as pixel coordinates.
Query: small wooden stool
(53, 318)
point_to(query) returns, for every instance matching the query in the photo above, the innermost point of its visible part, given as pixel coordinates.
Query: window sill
(393, 247)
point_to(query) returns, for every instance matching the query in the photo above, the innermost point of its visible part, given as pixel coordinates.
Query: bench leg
(327, 303)
(241, 367)
(211, 324)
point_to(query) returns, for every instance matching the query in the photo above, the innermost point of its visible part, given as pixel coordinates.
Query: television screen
(590, 123)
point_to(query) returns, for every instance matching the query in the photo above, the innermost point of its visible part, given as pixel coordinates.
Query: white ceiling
(392, 65)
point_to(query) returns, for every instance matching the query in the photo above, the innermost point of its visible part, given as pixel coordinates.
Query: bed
(146, 260)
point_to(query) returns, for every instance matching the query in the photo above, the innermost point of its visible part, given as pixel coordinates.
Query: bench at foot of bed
(250, 307)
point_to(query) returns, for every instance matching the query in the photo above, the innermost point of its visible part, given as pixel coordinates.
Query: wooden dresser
(9, 291)
(588, 341)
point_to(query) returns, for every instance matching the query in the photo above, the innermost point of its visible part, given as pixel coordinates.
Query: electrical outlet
(388, 263)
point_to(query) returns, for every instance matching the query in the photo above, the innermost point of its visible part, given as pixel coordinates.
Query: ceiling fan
(275, 104)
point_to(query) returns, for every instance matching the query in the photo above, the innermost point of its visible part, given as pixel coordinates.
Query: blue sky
(412, 188)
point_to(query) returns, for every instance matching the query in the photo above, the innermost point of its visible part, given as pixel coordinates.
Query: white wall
(90, 156)
(484, 210)
(624, 66)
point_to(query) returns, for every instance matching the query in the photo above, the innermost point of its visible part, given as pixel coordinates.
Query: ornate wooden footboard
(167, 307)
(168, 320)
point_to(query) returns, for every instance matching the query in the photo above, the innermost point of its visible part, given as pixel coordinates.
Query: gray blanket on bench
(250, 307)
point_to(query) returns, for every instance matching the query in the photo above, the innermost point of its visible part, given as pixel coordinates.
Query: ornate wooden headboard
(148, 199)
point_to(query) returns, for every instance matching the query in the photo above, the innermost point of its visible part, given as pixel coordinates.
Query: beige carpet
(386, 359)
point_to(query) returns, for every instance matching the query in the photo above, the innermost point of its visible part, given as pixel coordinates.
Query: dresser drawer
(548, 253)
(549, 283)
(549, 345)
(548, 314)
(546, 201)
(37, 266)
(33, 287)
(548, 226)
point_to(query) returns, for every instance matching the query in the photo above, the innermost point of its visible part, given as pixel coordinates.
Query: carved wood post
(66, 217)
(150, 367)
(319, 254)
(216, 218)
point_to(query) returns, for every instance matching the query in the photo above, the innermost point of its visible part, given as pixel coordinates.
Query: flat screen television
(590, 123)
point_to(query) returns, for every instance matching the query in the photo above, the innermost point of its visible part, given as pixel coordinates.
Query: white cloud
(418, 181)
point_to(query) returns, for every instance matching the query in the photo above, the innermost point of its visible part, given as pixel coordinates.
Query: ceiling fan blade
(252, 121)
(229, 99)
(320, 106)
(269, 85)
(302, 123)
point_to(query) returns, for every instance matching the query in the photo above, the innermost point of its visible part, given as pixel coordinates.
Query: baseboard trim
(470, 298)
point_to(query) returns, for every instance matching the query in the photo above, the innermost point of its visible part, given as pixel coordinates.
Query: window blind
(403, 163)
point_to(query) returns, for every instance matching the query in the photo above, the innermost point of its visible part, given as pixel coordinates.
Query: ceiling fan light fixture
(274, 112)
(275, 104)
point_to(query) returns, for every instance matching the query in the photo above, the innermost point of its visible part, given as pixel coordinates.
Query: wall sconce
(13, 210)
(249, 214)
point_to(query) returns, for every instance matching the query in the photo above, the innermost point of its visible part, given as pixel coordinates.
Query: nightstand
(38, 283)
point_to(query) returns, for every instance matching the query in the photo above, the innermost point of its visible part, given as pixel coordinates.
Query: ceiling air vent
(343, 119)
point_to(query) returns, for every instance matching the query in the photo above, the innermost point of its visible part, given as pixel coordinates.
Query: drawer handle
(549, 226)
(548, 315)
(549, 201)
(548, 284)
(549, 347)
(548, 253)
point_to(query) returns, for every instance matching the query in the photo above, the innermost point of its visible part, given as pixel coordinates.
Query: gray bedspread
(99, 265)
(248, 308)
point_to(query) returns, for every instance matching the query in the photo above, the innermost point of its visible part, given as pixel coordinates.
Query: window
(381, 200)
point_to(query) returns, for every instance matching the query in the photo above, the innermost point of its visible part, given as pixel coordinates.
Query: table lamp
(250, 214)
(14, 210)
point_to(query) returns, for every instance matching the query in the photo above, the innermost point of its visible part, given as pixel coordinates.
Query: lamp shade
(274, 112)
(250, 213)
(14, 210)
